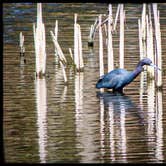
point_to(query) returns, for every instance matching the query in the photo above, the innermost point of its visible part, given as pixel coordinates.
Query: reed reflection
(155, 126)
(22, 64)
(117, 106)
(151, 112)
(159, 127)
(41, 102)
(84, 127)
(102, 126)
(143, 82)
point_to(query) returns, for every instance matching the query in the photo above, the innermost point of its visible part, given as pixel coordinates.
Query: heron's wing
(112, 79)
(109, 81)
(115, 79)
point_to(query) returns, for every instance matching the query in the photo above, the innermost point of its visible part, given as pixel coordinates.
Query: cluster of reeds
(40, 46)
(110, 29)
(150, 39)
(149, 47)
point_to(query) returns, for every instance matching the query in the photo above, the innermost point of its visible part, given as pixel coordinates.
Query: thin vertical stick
(149, 69)
(109, 45)
(143, 22)
(121, 44)
(76, 60)
(140, 39)
(81, 63)
(56, 30)
(101, 48)
(158, 43)
(36, 48)
(43, 49)
(159, 53)
(106, 34)
(56, 38)
(151, 50)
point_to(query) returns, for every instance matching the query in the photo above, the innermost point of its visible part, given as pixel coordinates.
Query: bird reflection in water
(121, 111)
(117, 101)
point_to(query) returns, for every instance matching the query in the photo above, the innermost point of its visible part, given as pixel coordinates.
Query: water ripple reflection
(121, 111)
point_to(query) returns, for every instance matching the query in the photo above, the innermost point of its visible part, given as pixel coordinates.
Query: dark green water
(47, 122)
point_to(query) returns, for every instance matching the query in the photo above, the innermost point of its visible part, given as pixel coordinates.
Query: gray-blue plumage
(117, 79)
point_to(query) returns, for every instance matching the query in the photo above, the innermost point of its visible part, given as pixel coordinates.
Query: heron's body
(117, 79)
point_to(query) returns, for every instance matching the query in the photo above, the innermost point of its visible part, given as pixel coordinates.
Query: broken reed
(59, 53)
(40, 43)
(92, 33)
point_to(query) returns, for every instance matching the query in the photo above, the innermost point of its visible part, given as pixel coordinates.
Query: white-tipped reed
(40, 43)
(109, 45)
(121, 41)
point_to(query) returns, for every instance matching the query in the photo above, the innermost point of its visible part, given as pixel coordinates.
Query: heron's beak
(157, 68)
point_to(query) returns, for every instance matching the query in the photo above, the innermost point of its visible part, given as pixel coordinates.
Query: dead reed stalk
(40, 43)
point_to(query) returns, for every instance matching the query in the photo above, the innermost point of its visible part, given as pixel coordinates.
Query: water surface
(47, 122)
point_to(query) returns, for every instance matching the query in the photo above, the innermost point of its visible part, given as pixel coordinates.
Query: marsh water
(45, 121)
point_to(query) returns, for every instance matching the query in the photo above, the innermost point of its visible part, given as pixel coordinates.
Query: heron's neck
(137, 71)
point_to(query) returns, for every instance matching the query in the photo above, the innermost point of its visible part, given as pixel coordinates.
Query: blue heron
(117, 79)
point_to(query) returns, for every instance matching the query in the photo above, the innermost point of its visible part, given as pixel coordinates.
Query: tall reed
(40, 43)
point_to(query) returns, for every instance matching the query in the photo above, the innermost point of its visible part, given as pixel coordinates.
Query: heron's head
(147, 61)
